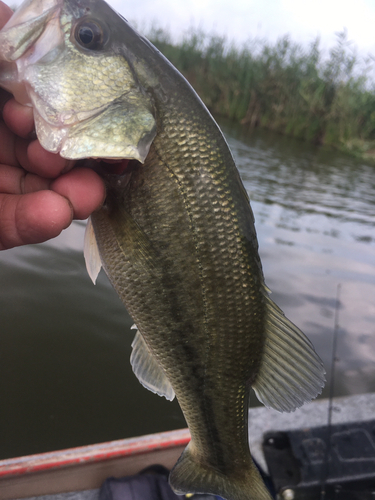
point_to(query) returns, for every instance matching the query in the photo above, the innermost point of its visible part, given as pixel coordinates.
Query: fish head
(68, 60)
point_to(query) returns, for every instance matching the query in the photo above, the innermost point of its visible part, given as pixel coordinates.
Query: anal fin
(147, 369)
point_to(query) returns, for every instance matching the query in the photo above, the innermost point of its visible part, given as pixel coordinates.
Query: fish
(176, 235)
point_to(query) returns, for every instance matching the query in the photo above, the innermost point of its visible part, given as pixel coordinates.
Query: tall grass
(283, 86)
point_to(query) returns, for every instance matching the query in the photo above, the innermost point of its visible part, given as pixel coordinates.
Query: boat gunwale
(82, 455)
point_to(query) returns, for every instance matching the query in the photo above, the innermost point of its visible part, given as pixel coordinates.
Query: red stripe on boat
(93, 453)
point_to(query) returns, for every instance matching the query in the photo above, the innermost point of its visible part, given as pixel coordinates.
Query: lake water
(65, 377)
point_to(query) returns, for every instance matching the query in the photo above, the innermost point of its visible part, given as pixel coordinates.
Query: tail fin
(189, 476)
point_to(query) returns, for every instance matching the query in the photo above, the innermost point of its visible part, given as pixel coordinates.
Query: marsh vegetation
(324, 98)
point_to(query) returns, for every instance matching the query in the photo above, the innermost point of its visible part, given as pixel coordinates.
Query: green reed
(284, 87)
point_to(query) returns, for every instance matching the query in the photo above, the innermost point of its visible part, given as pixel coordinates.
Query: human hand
(39, 193)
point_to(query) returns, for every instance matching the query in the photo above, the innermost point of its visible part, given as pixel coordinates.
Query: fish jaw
(19, 47)
(25, 27)
(112, 132)
(86, 103)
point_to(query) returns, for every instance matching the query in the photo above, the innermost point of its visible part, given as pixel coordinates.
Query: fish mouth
(26, 26)
(32, 9)
(116, 174)
(18, 39)
(109, 168)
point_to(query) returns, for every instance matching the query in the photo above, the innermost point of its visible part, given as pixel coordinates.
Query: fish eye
(90, 35)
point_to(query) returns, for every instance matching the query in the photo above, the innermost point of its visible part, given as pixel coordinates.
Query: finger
(7, 149)
(14, 180)
(32, 218)
(46, 164)
(4, 97)
(33, 158)
(5, 13)
(84, 189)
(18, 118)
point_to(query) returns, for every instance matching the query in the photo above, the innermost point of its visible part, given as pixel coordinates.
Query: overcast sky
(270, 19)
(243, 19)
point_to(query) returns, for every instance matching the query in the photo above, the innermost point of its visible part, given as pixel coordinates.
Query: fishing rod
(330, 398)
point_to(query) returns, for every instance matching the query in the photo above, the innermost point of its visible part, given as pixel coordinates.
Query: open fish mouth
(111, 167)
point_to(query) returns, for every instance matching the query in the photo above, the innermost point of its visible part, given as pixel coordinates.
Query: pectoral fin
(291, 373)
(91, 252)
(147, 369)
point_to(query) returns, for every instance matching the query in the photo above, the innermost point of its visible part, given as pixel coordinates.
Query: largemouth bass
(176, 235)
